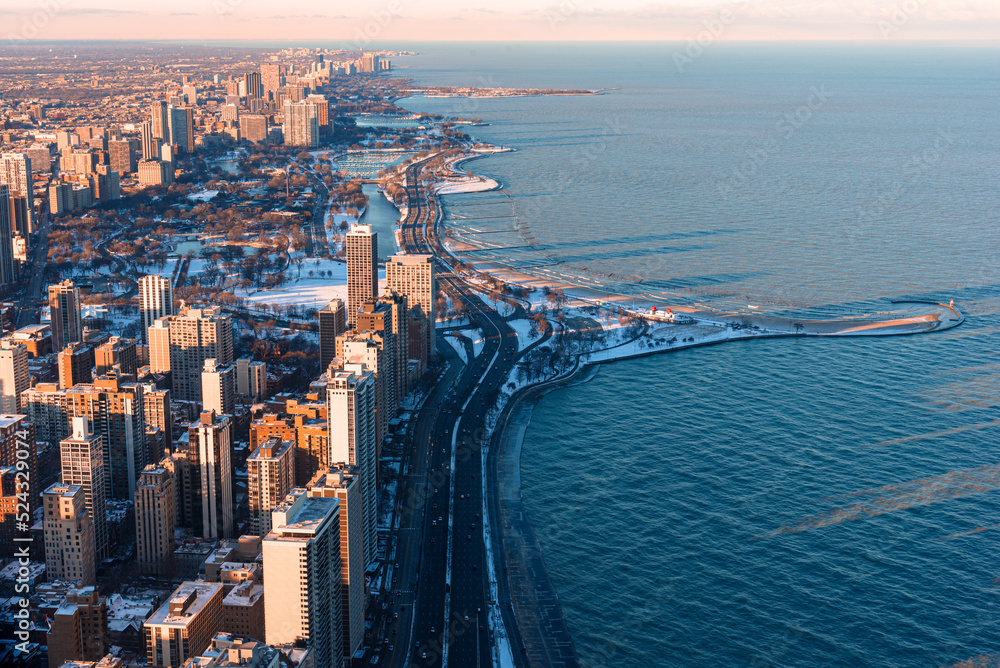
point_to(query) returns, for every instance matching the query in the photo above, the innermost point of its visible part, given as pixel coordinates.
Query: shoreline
(530, 624)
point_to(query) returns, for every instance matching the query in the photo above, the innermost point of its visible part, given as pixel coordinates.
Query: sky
(348, 21)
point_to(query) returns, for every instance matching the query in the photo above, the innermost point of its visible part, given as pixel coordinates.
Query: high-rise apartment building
(251, 379)
(351, 416)
(254, 127)
(156, 404)
(116, 355)
(69, 535)
(191, 338)
(302, 590)
(271, 476)
(181, 128)
(150, 143)
(15, 172)
(156, 300)
(388, 316)
(18, 445)
(332, 323)
(64, 314)
(76, 364)
(14, 377)
(155, 514)
(218, 388)
(374, 350)
(413, 276)
(156, 173)
(121, 157)
(183, 626)
(116, 411)
(159, 121)
(7, 271)
(341, 483)
(210, 445)
(362, 269)
(270, 79)
(78, 630)
(301, 124)
(82, 459)
(254, 86)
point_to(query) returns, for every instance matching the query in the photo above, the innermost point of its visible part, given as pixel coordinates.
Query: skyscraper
(117, 355)
(362, 269)
(254, 127)
(121, 157)
(375, 351)
(270, 79)
(301, 124)
(332, 323)
(302, 590)
(76, 363)
(15, 172)
(7, 275)
(159, 122)
(218, 388)
(82, 459)
(389, 315)
(78, 630)
(253, 84)
(181, 128)
(271, 476)
(341, 483)
(251, 379)
(64, 313)
(156, 299)
(210, 445)
(190, 338)
(150, 142)
(69, 535)
(351, 416)
(413, 276)
(155, 512)
(13, 375)
(116, 411)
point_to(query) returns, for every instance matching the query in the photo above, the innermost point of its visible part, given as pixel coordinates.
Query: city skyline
(567, 20)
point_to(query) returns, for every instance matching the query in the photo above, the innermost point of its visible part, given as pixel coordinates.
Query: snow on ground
(523, 329)
(311, 292)
(478, 342)
(473, 184)
(203, 196)
(459, 347)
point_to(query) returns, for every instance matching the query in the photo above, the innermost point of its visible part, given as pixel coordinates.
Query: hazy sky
(350, 21)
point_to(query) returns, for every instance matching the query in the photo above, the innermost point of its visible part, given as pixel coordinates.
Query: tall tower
(413, 276)
(218, 388)
(374, 351)
(302, 590)
(270, 80)
(150, 143)
(341, 483)
(388, 317)
(271, 476)
(155, 513)
(351, 415)
(181, 128)
(301, 124)
(13, 375)
(82, 459)
(69, 535)
(15, 172)
(332, 323)
(156, 299)
(362, 269)
(64, 313)
(210, 445)
(7, 276)
(181, 344)
(158, 120)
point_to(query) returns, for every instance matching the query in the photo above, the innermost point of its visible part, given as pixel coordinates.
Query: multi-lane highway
(440, 589)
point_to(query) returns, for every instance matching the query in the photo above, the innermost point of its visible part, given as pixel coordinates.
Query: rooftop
(187, 601)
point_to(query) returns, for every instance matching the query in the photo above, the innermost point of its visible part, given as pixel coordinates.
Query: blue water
(382, 216)
(769, 503)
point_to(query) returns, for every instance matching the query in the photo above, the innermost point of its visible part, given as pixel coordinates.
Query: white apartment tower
(14, 378)
(212, 439)
(156, 300)
(82, 459)
(362, 269)
(351, 415)
(218, 388)
(302, 590)
(301, 124)
(69, 535)
(190, 338)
